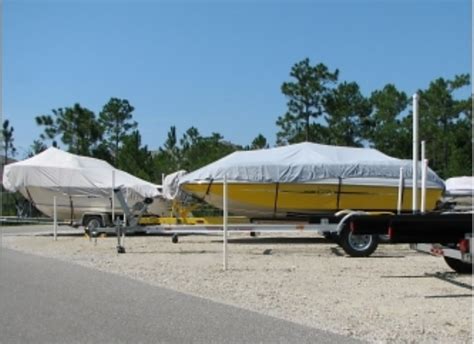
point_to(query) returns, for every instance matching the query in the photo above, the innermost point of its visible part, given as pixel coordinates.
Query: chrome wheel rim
(360, 242)
(93, 224)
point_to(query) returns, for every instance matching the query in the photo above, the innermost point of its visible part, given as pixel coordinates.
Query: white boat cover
(308, 163)
(171, 184)
(460, 186)
(73, 175)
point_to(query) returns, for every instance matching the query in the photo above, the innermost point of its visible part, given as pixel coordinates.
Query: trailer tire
(357, 245)
(458, 265)
(92, 224)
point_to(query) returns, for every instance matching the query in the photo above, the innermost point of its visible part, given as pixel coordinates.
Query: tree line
(320, 108)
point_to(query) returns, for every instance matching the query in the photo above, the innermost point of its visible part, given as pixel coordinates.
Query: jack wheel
(174, 239)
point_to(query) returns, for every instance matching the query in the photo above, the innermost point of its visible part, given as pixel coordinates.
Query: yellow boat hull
(284, 199)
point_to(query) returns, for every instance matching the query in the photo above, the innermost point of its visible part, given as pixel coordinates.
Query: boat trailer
(446, 234)
(331, 226)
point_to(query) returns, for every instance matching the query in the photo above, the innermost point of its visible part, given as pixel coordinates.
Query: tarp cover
(72, 174)
(308, 162)
(171, 184)
(462, 186)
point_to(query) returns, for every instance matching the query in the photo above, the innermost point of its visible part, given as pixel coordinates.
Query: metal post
(415, 155)
(225, 223)
(55, 220)
(424, 174)
(113, 196)
(424, 170)
(400, 191)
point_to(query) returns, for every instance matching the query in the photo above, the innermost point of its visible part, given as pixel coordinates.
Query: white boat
(459, 194)
(81, 185)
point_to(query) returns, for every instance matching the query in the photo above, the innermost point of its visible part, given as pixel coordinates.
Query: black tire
(92, 224)
(174, 239)
(357, 245)
(458, 265)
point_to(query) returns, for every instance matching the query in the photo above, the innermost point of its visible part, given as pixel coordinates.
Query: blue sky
(214, 65)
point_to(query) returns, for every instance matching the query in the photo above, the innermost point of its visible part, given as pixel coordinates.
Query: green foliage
(37, 147)
(135, 158)
(388, 132)
(306, 96)
(347, 115)
(116, 121)
(445, 125)
(260, 142)
(9, 149)
(343, 116)
(192, 152)
(77, 127)
(319, 110)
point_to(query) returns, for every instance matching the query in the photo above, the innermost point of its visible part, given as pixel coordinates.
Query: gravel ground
(395, 296)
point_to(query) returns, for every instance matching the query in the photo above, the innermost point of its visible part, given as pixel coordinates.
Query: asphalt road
(45, 300)
(33, 229)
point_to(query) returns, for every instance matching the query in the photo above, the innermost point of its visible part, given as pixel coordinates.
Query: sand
(395, 296)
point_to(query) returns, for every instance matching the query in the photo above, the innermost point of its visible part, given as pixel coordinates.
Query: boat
(81, 185)
(306, 179)
(459, 193)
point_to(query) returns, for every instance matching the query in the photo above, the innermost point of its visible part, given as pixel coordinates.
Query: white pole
(55, 220)
(415, 155)
(225, 223)
(113, 197)
(424, 174)
(400, 191)
(424, 170)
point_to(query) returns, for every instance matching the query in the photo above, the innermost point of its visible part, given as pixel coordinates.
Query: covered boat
(307, 178)
(81, 185)
(459, 193)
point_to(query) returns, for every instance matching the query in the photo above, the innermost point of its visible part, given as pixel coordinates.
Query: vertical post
(400, 192)
(55, 220)
(424, 170)
(113, 196)
(424, 174)
(162, 179)
(225, 223)
(415, 155)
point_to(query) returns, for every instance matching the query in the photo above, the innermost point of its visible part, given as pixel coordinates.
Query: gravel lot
(395, 296)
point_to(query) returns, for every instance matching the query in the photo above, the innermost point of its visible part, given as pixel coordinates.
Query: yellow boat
(306, 179)
(286, 199)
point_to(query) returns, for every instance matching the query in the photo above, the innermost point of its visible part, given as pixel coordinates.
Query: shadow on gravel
(176, 252)
(258, 241)
(454, 296)
(59, 234)
(449, 277)
(406, 276)
(381, 255)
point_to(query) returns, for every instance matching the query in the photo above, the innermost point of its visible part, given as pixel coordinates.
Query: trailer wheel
(357, 245)
(92, 224)
(174, 239)
(458, 265)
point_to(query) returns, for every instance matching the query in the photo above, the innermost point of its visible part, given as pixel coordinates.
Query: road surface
(44, 300)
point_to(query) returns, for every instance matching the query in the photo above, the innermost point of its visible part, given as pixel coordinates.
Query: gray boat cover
(73, 175)
(309, 163)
